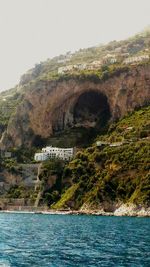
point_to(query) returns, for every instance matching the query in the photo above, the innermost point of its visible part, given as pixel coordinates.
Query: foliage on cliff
(112, 174)
(132, 127)
(51, 181)
(9, 101)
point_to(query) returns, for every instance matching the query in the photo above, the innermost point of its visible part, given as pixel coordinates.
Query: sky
(34, 30)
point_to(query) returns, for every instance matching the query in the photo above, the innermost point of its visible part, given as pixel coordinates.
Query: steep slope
(108, 176)
(103, 176)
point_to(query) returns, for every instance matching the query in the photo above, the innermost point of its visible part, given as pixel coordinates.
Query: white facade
(136, 59)
(80, 66)
(109, 59)
(95, 65)
(65, 69)
(40, 156)
(50, 152)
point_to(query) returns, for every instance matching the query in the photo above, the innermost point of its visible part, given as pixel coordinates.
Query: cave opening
(79, 123)
(91, 110)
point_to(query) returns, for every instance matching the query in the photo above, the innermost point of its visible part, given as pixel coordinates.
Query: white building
(80, 66)
(69, 68)
(135, 59)
(109, 59)
(95, 64)
(65, 69)
(50, 152)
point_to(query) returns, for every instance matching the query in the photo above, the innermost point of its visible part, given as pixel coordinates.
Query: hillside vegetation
(97, 174)
(110, 174)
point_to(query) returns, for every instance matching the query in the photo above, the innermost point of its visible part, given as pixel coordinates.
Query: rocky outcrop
(117, 209)
(52, 106)
(132, 210)
(23, 174)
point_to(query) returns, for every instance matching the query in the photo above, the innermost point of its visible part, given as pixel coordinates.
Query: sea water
(79, 240)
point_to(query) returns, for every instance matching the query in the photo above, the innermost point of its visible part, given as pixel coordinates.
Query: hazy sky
(34, 30)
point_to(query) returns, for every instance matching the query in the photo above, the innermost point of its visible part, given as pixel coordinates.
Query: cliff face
(51, 106)
(24, 175)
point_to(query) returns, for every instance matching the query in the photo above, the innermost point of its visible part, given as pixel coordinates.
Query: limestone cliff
(52, 106)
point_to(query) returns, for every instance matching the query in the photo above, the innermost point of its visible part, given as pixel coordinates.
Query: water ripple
(36, 240)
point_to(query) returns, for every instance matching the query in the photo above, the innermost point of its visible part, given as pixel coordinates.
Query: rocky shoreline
(123, 210)
(130, 210)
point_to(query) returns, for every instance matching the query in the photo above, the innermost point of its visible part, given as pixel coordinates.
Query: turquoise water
(65, 240)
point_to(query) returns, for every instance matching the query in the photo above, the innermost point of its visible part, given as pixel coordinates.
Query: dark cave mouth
(91, 110)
